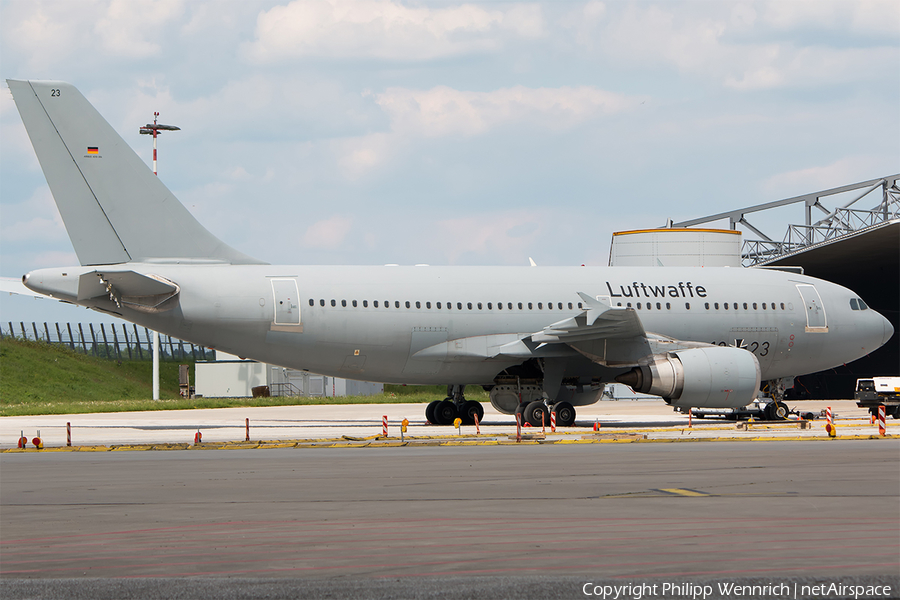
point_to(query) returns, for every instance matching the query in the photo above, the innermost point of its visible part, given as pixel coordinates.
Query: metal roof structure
(838, 223)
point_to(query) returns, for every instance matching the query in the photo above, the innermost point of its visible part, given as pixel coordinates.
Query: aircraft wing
(608, 335)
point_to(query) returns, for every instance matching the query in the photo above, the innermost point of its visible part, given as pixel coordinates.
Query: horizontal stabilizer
(146, 293)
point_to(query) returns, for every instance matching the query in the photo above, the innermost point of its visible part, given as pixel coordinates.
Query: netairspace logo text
(637, 591)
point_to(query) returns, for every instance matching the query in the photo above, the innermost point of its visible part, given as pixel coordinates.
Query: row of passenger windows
(449, 305)
(707, 305)
(540, 305)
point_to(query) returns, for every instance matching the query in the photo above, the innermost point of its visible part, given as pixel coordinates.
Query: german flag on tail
(93, 150)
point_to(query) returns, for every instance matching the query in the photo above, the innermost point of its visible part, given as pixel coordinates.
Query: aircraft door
(816, 321)
(287, 304)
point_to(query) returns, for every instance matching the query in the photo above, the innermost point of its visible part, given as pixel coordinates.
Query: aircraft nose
(888, 330)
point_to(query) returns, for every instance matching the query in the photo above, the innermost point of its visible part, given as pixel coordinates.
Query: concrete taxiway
(568, 513)
(446, 515)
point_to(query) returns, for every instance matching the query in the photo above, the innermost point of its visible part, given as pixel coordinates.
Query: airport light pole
(154, 129)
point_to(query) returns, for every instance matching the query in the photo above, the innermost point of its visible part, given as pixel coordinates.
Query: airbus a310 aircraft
(540, 338)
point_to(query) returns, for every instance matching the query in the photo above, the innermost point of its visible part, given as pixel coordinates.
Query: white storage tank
(676, 248)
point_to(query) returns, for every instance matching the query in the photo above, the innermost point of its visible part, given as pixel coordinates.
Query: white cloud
(41, 223)
(327, 233)
(444, 111)
(505, 236)
(132, 29)
(821, 177)
(382, 29)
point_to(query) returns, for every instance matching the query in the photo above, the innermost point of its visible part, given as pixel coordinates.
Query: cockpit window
(857, 304)
(862, 305)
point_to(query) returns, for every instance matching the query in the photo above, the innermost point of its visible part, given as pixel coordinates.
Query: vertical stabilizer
(114, 208)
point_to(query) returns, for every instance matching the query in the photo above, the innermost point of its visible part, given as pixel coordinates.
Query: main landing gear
(537, 413)
(444, 412)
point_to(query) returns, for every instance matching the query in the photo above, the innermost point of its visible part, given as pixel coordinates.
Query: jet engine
(715, 377)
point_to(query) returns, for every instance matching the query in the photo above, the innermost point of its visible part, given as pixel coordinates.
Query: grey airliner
(539, 338)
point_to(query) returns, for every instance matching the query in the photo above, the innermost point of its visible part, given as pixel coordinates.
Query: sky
(477, 133)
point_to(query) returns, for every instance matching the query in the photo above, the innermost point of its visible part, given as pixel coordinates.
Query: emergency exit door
(287, 304)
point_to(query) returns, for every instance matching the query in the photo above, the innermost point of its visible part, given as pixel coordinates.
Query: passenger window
(530, 306)
(540, 306)
(549, 306)
(365, 304)
(520, 306)
(312, 302)
(499, 305)
(639, 305)
(659, 306)
(560, 305)
(782, 306)
(764, 306)
(344, 303)
(418, 304)
(333, 303)
(619, 304)
(469, 305)
(754, 306)
(322, 302)
(707, 305)
(459, 305)
(745, 306)
(579, 305)
(479, 306)
(687, 305)
(438, 304)
(509, 305)
(725, 305)
(490, 306)
(570, 306)
(407, 304)
(375, 303)
(354, 304)
(428, 305)
(716, 304)
(396, 304)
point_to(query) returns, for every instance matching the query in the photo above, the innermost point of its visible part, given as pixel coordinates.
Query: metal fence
(107, 340)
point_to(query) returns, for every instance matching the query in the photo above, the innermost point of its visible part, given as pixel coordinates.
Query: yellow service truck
(875, 391)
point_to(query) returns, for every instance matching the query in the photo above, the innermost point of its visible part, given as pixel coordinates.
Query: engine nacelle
(719, 377)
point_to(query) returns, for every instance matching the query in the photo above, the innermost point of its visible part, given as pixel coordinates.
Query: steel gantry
(837, 223)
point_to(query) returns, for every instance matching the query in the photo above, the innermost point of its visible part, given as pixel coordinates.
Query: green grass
(41, 379)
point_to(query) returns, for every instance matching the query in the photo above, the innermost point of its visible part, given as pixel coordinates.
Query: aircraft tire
(781, 411)
(533, 413)
(429, 412)
(520, 410)
(565, 414)
(469, 409)
(445, 412)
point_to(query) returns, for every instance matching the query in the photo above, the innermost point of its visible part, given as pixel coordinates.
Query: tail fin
(114, 208)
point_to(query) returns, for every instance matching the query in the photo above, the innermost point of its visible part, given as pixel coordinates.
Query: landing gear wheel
(470, 409)
(533, 413)
(445, 412)
(776, 411)
(781, 411)
(429, 412)
(565, 414)
(520, 413)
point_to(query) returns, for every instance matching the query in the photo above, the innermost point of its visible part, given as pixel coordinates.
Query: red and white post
(247, 429)
(384, 431)
(553, 421)
(882, 423)
(68, 434)
(828, 418)
(518, 427)
(477, 427)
